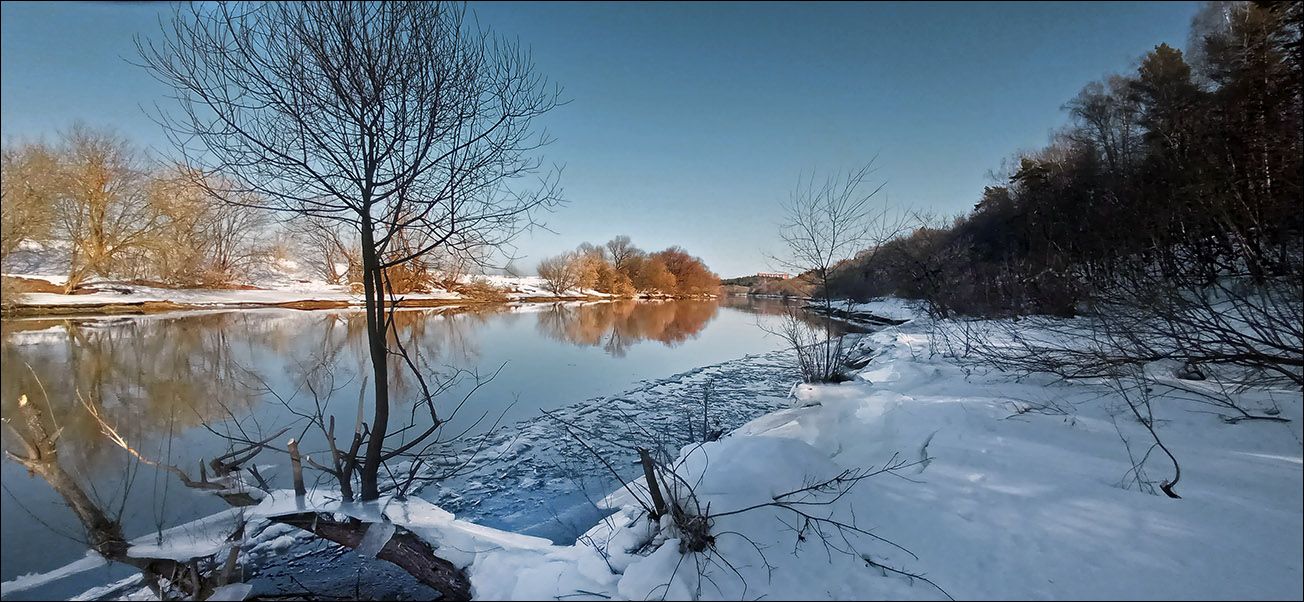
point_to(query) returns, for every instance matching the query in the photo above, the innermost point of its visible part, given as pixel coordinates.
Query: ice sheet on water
(538, 492)
(234, 591)
(196, 539)
(377, 535)
(34, 580)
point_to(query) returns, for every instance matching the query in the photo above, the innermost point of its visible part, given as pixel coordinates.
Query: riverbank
(127, 298)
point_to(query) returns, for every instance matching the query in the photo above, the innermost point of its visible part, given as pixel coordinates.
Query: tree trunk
(373, 286)
(404, 548)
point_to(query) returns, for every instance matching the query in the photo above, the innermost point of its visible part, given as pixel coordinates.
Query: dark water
(177, 386)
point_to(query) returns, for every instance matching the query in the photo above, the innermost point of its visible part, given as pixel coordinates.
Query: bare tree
(202, 239)
(396, 118)
(331, 248)
(828, 222)
(103, 211)
(621, 251)
(28, 174)
(561, 273)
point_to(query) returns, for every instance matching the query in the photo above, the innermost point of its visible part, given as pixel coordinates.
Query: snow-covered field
(269, 293)
(1004, 489)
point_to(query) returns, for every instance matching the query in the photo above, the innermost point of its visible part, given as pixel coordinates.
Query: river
(178, 386)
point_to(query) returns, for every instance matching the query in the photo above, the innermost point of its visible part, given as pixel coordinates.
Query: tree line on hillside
(619, 268)
(1182, 175)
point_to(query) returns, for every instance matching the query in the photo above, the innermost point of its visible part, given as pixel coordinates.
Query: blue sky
(689, 123)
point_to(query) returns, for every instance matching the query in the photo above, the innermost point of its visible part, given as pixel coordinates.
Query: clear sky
(689, 123)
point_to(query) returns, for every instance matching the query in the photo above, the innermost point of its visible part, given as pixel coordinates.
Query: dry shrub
(482, 290)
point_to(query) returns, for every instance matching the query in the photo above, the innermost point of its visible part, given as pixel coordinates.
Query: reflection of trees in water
(157, 376)
(161, 381)
(150, 377)
(617, 325)
(435, 339)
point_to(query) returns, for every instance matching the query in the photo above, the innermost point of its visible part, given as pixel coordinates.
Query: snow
(998, 505)
(534, 286)
(889, 307)
(141, 294)
(458, 541)
(127, 588)
(57, 279)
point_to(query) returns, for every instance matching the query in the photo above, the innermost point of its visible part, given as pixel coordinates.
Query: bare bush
(826, 224)
(449, 269)
(822, 355)
(203, 240)
(329, 248)
(479, 289)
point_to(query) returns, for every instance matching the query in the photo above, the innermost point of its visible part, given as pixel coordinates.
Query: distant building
(779, 275)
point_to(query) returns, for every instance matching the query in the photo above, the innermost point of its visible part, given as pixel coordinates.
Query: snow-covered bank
(1000, 503)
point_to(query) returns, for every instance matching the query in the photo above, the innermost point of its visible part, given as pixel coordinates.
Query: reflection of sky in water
(166, 375)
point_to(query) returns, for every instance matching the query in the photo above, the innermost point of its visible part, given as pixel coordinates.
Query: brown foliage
(621, 269)
(201, 239)
(655, 277)
(481, 290)
(103, 211)
(692, 277)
